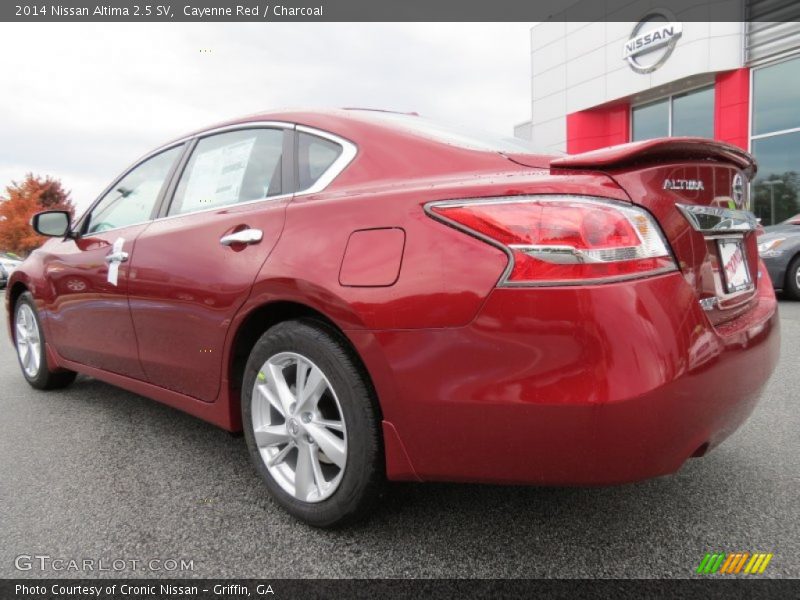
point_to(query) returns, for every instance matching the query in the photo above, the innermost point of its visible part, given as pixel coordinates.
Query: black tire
(46, 378)
(364, 473)
(792, 288)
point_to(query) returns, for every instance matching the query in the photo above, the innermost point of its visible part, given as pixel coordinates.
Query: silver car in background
(779, 247)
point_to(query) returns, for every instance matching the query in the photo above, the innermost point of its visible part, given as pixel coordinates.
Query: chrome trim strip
(715, 219)
(349, 152)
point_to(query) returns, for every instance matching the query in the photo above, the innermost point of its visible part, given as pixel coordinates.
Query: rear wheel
(793, 279)
(311, 424)
(30, 343)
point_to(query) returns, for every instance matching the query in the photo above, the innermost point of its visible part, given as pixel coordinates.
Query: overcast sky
(80, 102)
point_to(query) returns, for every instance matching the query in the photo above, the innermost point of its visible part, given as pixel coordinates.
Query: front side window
(134, 197)
(315, 155)
(229, 168)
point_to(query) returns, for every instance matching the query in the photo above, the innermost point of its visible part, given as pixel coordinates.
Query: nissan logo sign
(652, 41)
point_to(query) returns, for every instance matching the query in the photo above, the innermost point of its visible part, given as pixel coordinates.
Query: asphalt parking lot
(96, 472)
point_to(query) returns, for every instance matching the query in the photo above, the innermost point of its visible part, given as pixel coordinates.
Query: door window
(229, 168)
(134, 197)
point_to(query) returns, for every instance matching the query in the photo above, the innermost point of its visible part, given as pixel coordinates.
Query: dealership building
(607, 82)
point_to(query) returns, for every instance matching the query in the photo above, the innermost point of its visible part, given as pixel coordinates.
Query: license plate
(735, 273)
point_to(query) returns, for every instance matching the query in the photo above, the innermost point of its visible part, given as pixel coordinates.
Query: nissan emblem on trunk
(652, 41)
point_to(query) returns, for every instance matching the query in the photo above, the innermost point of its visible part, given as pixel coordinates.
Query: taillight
(564, 239)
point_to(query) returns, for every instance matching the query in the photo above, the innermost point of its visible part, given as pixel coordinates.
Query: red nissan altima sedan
(372, 296)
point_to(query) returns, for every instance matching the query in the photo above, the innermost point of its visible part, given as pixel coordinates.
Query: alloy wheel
(299, 427)
(28, 340)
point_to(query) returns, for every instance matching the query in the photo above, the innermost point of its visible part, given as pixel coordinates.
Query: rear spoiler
(660, 149)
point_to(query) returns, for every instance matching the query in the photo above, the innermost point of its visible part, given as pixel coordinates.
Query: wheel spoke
(24, 351)
(332, 446)
(313, 389)
(29, 360)
(335, 425)
(303, 473)
(269, 435)
(300, 382)
(281, 387)
(316, 468)
(36, 357)
(263, 389)
(281, 456)
(22, 331)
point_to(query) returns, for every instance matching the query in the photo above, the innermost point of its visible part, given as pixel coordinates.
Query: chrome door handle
(246, 236)
(117, 257)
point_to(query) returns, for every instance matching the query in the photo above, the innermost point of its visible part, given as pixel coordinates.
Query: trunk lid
(697, 191)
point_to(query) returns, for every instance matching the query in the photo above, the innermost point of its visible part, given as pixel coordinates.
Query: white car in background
(8, 263)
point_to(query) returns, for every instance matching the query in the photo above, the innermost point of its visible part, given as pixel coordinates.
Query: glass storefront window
(776, 97)
(689, 114)
(693, 114)
(650, 121)
(776, 185)
(775, 141)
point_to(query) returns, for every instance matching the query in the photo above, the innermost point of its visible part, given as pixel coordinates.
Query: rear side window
(315, 155)
(229, 168)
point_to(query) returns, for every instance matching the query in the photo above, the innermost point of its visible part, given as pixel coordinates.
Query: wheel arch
(267, 315)
(14, 292)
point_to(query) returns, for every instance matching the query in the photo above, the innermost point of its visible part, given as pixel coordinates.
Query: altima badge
(684, 184)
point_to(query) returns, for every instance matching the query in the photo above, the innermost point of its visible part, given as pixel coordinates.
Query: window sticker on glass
(217, 176)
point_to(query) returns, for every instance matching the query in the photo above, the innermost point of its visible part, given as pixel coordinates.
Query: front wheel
(311, 424)
(30, 343)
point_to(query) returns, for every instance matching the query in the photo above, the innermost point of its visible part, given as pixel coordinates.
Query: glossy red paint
(660, 149)
(732, 107)
(598, 127)
(583, 384)
(372, 258)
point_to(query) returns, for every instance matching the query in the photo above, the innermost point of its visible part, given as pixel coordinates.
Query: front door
(193, 269)
(89, 321)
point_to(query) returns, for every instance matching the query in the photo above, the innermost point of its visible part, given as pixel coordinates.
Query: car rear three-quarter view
(371, 296)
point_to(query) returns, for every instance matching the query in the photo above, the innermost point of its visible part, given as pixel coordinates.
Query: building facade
(601, 83)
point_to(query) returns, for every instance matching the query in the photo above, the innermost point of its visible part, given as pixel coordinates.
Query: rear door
(89, 320)
(194, 267)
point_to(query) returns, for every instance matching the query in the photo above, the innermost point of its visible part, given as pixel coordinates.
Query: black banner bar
(388, 10)
(387, 589)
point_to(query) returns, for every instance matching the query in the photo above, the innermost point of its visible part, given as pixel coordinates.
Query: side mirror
(52, 223)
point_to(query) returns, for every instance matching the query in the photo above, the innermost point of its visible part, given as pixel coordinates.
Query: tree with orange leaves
(21, 202)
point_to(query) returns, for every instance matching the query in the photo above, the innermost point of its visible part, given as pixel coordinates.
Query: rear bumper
(596, 385)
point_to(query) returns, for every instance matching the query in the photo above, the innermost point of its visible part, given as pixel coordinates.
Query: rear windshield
(454, 135)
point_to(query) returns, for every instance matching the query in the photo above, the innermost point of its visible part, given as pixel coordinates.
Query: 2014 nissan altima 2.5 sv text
(371, 296)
